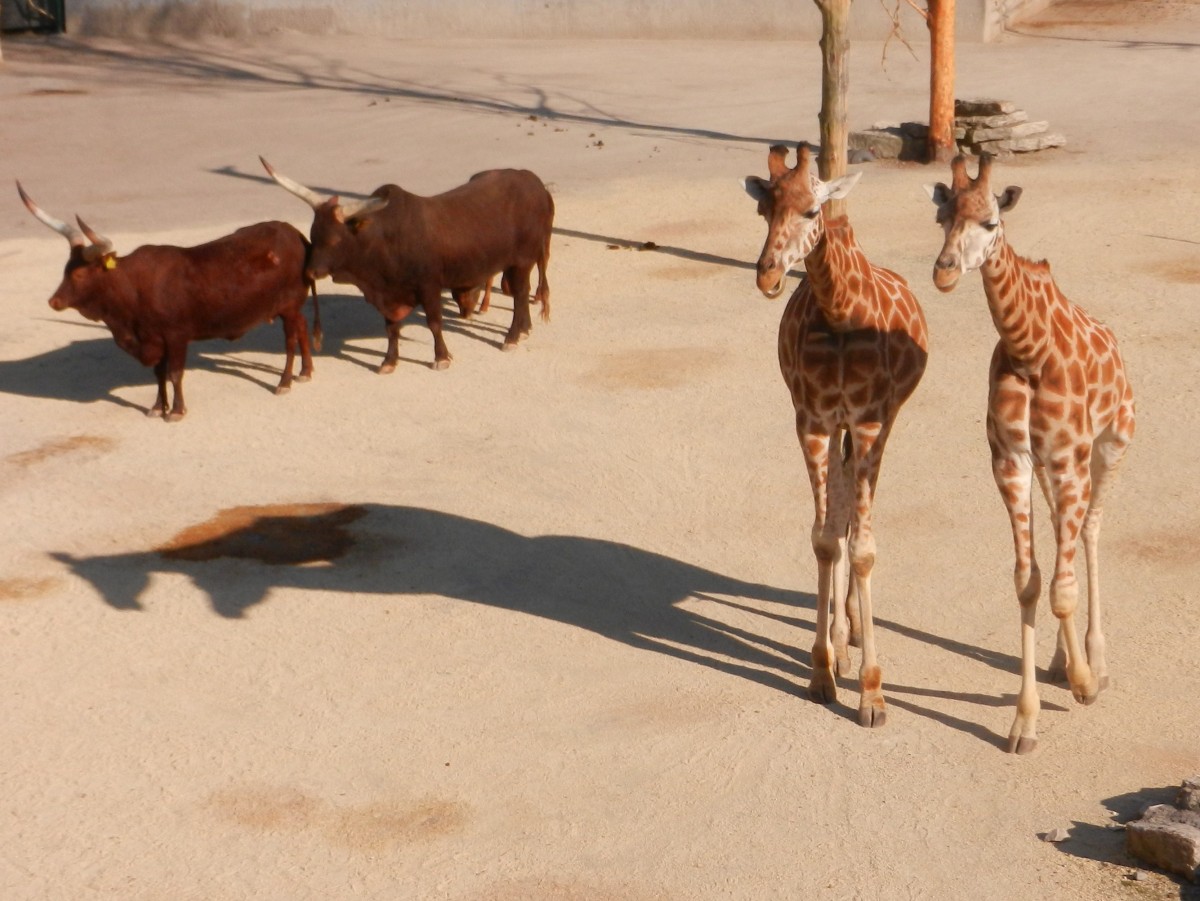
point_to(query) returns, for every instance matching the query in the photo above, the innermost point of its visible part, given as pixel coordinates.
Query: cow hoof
(154, 413)
(439, 365)
(386, 369)
(173, 417)
(304, 378)
(509, 345)
(282, 389)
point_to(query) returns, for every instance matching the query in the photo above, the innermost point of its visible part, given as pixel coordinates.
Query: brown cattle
(159, 298)
(402, 250)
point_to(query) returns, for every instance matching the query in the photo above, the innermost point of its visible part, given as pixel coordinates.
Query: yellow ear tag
(110, 262)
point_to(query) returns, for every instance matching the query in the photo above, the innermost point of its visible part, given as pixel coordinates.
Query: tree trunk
(941, 144)
(835, 85)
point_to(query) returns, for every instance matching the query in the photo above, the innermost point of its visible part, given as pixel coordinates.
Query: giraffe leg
(844, 599)
(1057, 671)
(1107, 453)
(1070, 481)
(1014, 478)
(828, 542)
(868, 452)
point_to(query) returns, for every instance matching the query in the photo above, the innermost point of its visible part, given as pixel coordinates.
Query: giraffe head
(791, 203)
(970, 214)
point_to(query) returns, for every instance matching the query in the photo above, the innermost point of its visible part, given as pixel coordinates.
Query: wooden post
(941, 145)
(835, 85)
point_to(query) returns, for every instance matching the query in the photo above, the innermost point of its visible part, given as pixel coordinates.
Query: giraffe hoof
(822, 689)
(1021, 744)
(871, 716)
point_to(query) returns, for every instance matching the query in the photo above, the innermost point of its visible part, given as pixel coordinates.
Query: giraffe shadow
(627, 594)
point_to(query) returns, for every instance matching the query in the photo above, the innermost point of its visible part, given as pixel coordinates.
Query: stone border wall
(978, 20)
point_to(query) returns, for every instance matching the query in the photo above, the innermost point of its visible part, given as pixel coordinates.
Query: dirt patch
(59, 447)
(650, 369)
(26, 589)
(368, 827)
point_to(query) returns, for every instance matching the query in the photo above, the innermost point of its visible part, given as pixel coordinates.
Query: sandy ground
(538, 626)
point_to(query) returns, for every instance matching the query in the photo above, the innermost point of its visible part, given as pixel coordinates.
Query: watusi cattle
(402, 250)
(158, 298)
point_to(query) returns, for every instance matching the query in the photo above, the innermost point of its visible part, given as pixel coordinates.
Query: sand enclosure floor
(538, 626)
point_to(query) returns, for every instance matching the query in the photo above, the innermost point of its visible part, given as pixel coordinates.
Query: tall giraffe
(1059, 405)
(852, 348)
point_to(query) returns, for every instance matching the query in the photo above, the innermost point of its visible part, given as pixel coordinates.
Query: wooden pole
(941, 146)
(835, 86)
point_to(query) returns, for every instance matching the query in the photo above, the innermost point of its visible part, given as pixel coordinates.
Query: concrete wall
(978, 20)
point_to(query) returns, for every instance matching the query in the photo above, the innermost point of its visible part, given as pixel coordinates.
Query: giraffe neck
(839, 273)
(1020, 294)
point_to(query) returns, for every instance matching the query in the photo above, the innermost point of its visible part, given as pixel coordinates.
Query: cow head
(87, 275)
(335, 226)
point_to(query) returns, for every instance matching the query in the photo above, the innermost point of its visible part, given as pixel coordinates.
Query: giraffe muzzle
(945, 274)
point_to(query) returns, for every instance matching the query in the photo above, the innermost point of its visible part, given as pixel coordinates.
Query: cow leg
(432, 302)
(175, 358)
(160, 402)
(466, 298)
(295, 328)
(518, 280)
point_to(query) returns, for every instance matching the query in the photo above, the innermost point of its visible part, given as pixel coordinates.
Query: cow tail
(318, 336)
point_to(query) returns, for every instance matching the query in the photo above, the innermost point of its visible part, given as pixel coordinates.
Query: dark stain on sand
(278, 534)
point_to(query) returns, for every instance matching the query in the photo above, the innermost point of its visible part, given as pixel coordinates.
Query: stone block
(1168, 838)
(889, 143)
(1014, 118)
(983, 107)
(1189, 794)
(1019, 145)
(1007, 132)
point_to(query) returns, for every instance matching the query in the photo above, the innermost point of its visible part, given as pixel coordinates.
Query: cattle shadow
(1106, 843)
(623, 593)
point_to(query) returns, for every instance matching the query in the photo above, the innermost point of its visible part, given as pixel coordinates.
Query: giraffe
(1059, 407)
(852, 348)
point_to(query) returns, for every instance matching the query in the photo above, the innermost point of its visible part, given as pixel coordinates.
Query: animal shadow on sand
(92, 369)
(621, 592)
(1107, 844)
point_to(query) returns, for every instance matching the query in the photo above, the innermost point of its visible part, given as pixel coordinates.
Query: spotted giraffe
(852, 348)
(1059, 406)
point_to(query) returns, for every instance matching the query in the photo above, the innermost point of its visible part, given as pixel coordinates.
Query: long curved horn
(100, 244)
(362, 207)
(308, 195)
(70, 232)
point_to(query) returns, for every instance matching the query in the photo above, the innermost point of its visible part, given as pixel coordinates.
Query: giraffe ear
(1009, 198)
(838, 188)
(938, 193)
(756, 187)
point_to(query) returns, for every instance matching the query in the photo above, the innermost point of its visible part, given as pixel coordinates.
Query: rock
(1168, 838)
(1019, 145)
(983, 107)
(1057, 835)
(893, 142)
(1014, 118)
(1024, 130)
(1189, 794)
